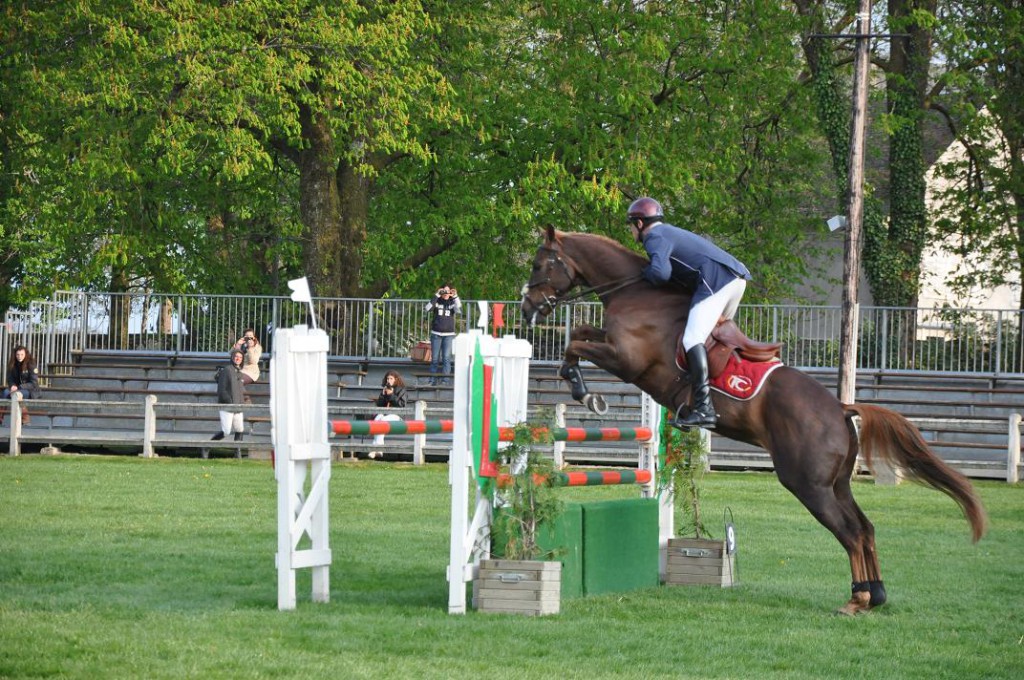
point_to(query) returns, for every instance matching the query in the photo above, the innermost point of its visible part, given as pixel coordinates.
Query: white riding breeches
(379, 439)
(705, 314)
(231, 422)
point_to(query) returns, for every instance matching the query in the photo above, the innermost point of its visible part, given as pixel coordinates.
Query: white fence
(154, 420)
(899, 339)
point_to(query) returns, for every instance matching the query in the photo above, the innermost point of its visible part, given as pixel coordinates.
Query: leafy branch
(527, 501)
(683, 472)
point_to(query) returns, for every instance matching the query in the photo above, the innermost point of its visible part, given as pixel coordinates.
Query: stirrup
(695, 418)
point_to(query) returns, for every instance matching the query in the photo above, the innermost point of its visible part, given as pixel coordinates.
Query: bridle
(556, 296)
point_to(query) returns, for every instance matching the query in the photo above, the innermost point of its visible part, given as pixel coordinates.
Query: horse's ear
(548, 233)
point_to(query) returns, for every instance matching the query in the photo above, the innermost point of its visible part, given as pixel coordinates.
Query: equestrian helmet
(646, 209)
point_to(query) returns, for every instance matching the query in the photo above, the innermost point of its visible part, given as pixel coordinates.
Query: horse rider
(716, 280)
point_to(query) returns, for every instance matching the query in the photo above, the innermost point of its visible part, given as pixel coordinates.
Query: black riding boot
(702, 414)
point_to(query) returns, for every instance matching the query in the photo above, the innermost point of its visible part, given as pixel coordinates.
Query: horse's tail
(888, 434)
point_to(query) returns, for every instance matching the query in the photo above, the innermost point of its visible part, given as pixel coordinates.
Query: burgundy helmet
(646, 209)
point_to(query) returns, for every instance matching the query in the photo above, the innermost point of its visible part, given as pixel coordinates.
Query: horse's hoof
(858, 604)
(596, 403)
(851, 609)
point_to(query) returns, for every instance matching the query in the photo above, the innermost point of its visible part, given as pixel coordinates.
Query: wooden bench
(340, 368)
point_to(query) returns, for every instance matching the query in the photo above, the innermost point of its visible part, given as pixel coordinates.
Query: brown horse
(805, 428)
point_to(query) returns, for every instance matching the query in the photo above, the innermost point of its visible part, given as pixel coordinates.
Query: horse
(809, 433)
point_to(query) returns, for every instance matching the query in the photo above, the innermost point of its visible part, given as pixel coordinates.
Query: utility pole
(855, 209)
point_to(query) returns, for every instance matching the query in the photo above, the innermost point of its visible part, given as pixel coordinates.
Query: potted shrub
(694, 557)
(525, 580)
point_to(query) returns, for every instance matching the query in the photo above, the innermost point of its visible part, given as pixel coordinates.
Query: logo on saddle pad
(743, 379)
(739, 383)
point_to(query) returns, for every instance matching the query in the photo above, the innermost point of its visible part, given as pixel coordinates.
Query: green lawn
(126, 568)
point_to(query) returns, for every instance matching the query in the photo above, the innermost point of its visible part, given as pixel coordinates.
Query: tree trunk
(320, 208)
(334, 205)
(894, 267)
(830, 101)
(120, 309)
(354, 191)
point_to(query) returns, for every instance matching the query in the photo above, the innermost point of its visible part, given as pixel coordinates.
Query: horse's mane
(608, 247)
(606, 259)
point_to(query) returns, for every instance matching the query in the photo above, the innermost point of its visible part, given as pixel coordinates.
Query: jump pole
(298, 398)
(505, 434)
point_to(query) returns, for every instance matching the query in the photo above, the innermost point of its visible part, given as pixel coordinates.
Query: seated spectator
(231, 390)
(22, 381)
(392, 394)
(251, 350)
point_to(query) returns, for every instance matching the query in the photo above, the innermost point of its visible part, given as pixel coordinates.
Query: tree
(579, 106)
(982, 96)
(171, 124)
(893, 238)
(892, 249)
(382, 147)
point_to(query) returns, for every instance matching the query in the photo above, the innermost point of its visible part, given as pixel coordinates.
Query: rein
(609, 287)
(557, 298)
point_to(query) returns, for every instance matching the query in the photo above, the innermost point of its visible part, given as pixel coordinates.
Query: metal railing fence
(889, 338)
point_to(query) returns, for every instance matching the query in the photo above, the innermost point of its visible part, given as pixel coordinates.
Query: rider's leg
(732, 293)
(702, 414)
(701, 321)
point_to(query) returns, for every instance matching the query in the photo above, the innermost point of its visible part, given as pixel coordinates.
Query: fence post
(1013, 450)
(15, 446)
(178, 335)
(149, 427)
(999, 343)
(558, 450)
(418, 441)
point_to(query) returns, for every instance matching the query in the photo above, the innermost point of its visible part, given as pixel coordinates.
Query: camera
(244, 345)
(444, 291)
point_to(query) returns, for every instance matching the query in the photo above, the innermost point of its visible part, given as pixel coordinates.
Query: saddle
(727, 339)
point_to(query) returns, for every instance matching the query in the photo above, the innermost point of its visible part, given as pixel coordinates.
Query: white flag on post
(482, 318)
(300, 293)
(300, 290)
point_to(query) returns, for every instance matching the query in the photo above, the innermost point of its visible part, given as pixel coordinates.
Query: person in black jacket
(392, 395)
(445, 305)
(231, 390)
(22, 381)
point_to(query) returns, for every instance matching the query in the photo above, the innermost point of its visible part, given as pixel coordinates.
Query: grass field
(116, 567)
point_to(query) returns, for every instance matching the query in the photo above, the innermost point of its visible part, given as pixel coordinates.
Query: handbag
(420, 352)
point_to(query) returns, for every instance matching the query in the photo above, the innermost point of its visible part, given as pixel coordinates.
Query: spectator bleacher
(97, 401)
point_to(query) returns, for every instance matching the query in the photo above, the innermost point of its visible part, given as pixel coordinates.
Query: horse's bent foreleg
(588, 333)
(587, 342)
(574, 376)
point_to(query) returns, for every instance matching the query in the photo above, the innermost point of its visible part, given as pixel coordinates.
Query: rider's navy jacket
(689, 260)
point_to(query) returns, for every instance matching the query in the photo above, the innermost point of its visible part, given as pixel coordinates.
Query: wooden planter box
(699, 561)
(526, 587)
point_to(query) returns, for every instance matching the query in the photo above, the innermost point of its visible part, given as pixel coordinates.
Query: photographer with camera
(392, 395)
(445, 305)
(251, 349)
